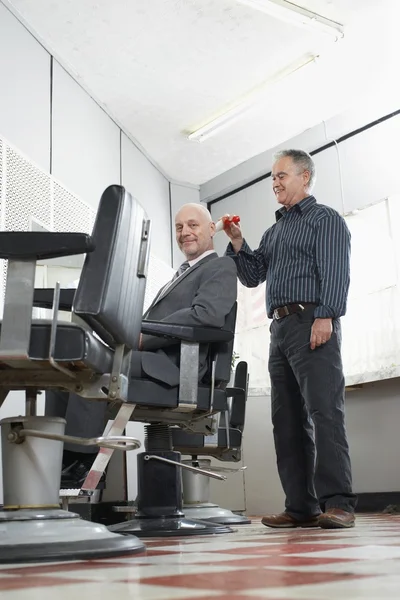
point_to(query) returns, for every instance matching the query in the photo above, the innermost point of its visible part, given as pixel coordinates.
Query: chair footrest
(70, 493)
(79, 495)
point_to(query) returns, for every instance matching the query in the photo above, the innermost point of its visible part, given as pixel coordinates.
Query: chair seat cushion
(148, 393)
(74, 345)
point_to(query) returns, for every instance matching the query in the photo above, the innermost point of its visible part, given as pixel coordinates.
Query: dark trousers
(85, 418)
(307, 394)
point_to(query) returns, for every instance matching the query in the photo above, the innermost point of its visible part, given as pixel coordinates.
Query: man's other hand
(321, 332)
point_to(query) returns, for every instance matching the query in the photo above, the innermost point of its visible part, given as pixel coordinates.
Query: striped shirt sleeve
(333, 266)
(252, 265)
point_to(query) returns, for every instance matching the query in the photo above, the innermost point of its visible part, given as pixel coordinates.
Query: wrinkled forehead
(188, 216)
(283, 165)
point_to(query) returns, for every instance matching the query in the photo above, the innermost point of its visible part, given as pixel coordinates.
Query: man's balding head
(194, 229)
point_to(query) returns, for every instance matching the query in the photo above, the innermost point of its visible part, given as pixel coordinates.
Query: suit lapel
(177, 281)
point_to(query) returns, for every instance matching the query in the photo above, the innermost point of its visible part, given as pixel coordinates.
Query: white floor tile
(361, 552)
(189, 558)
(377, 588)
(226, 544)
(142, 571)
(109, 591)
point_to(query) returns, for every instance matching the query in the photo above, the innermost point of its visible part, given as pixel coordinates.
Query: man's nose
(185, 230)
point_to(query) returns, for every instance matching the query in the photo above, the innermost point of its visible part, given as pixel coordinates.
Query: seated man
(202, 292)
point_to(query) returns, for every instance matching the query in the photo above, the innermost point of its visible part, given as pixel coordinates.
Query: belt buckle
(277, 315)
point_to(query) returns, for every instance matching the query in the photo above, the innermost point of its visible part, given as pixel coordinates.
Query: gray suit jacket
(203, 296)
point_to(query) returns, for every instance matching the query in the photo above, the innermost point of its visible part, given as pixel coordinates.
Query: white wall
(364, 169)
(263, 490)
(356, 173)
(256, 207)
(372, 416)
(363, 174)
(47, 115)
(85, 141)
(151, 188)
(181, 194)
(25, 90)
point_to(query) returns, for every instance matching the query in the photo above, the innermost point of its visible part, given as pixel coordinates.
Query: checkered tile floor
(254, 562)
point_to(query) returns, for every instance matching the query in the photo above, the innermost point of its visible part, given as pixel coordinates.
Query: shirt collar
(303, 206)
(196, 260)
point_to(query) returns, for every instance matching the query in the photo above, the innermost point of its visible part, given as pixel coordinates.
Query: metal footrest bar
(114, 442)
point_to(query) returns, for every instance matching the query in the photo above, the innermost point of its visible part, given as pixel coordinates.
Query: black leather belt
(289, 309)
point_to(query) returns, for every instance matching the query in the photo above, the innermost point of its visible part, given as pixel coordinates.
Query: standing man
(304, 258)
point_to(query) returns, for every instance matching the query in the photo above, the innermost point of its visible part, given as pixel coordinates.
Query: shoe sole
(330, 524)
(305, 525)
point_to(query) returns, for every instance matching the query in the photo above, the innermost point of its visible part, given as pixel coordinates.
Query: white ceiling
(163, 67)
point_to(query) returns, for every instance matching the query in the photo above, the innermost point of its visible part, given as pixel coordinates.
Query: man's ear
(306, 178)
(212, 229)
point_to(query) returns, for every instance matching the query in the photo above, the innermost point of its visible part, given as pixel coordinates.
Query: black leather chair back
(111, 289)
(223, 352)
(239, 400)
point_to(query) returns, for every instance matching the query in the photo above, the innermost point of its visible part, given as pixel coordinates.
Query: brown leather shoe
(285, 521)
(336, 518)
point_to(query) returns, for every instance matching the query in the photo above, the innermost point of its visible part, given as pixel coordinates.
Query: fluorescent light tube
(296, 15)
(224, 119)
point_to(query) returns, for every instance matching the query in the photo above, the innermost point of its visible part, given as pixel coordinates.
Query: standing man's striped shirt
(304, 257)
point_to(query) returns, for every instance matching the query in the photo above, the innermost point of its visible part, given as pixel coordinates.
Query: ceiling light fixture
(296, 15)
(224, 119)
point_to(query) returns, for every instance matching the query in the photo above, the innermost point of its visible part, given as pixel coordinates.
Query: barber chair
(225, 445)
(89, 356)
(193, 407)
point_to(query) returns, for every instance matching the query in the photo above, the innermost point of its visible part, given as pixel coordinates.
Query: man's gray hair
(303, 160)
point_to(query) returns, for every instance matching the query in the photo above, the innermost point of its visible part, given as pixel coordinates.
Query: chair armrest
(184, 333)
(238, 407)
(238, 393)
(43, 298)
(235, 392)
(38, 245)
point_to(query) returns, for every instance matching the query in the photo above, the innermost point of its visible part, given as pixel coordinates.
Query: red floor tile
(161, 552)
(266, 564)
(228, 597)
(297, 538)
(239, 580)
(284, 549)
(282, 561)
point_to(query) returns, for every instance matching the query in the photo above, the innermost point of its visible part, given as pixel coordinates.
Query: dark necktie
(184, 266)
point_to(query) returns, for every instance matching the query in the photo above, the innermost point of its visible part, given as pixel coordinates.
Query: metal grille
(2, 204)
(27, 193)
(70, 213)
(92, 218)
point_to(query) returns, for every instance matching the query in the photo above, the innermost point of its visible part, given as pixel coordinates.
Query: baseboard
(378, 502)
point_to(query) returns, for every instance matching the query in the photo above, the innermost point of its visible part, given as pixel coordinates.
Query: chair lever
(188, 467)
